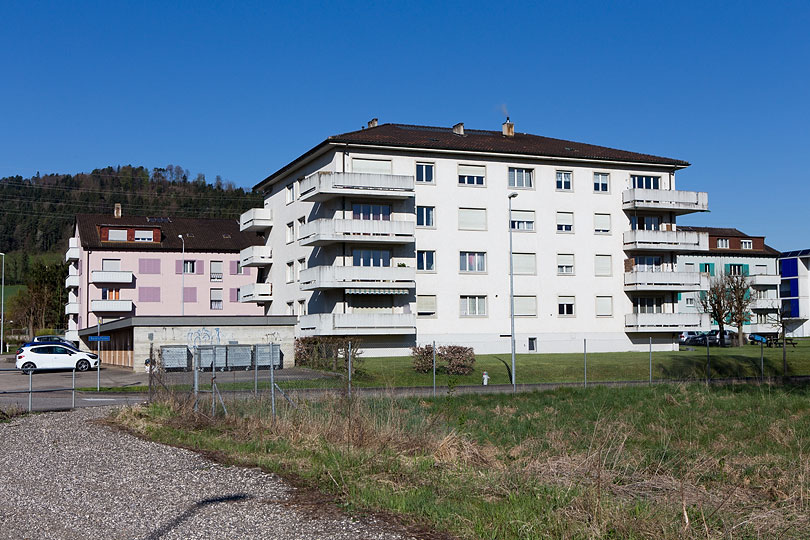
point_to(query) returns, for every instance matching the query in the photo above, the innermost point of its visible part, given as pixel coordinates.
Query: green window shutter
(727, 269)
(711, 269)
(679, 297)
(745, 269)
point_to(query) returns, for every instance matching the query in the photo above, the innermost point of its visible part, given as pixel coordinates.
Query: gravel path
(64, 477)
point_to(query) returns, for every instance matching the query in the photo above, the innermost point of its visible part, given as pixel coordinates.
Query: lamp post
(512, 292)
(183, 277)
(3, 306)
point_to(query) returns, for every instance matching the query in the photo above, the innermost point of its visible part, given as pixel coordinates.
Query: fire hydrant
(486, 378)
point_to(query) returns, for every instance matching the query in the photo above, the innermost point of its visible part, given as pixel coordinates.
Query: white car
(53, 356)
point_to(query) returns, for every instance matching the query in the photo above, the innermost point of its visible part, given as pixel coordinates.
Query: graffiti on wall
(206, 336)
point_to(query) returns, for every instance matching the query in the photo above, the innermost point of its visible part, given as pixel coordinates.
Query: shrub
(459, 360)
(327, 353)
(422, 358)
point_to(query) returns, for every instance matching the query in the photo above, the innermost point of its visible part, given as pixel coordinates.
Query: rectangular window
(603, 265)
(300, 264)
(472, 219)
(371, 257)
(522, 220)
(532, 344)
(565, 306)
(425, 260)
(648, 263)
(117, 235)
(290, 275)
(690, 301)
(424, 173)
(645, 223)
(689, 267)
(471, 175)
(722, 243)
(601, 182)
(290, 308)
(144, 236)
(148, 294)
(424, 216)
(524, 263)
(425, 305)
(216, 299)
(565, 221)
(216, 270)
(290, 232)
(601, 223)
(736, 270)
(371, 166)
(648, 304)
(299, 224)
(604, 306)
(565, 180)
(302, 307)
(189, 267)
(525, 306)
(110, 293)
(645, 182)
(371, 212)
(290, 193)
(565, 264)
(761, 269)
(110, 265)
(473, 306)
(520, 178)
(707, 268)
(472, 261)
(746, 244)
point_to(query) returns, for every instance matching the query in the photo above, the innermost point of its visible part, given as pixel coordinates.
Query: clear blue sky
(240, 90)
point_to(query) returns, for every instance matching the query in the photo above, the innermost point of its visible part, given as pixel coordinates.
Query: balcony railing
(666, 240)
(110, 276)
(665, 322)
(256, 219)
(72, 282)
(665, 281)
(111, 306)
(765, 303)
(256, 256)
(670, 200)
(256, 292)
(328, 231)
(322, 186)
(325, 324)
(72, 308)
(341, 277)
(766, 279)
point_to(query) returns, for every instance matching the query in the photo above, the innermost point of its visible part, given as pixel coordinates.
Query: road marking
(99, 399)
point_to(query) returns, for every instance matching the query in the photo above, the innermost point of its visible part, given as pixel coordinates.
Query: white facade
(576, 276)
(794, 292)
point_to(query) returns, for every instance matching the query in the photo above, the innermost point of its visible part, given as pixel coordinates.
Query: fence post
(73, 391)
(585, 354)
(254, 351)
(761, 363)
(708, 365)
(195, 368)
(272, 385)
(650, 360)
(434, 368)
(30, 388)
(350, 369)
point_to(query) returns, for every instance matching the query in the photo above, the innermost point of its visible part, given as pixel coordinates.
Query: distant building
(795, 291)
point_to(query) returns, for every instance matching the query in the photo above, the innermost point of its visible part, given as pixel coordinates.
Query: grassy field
(10, 292)
(670, 461)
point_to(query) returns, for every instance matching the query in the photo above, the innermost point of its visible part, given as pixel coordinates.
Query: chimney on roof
(458, 129)
(117, 211)
(508, 128)
(372, 123)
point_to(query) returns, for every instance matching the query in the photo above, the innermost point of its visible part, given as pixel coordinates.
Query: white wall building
(794, 267)
(399, 235)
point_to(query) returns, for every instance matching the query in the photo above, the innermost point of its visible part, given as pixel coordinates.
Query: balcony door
(645, 223)
(371, 257)
(371, 212)
(648, 304)
(648, 263)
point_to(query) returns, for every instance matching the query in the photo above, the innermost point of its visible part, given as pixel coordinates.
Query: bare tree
(738, 290)
(780, 321)
(716, 302)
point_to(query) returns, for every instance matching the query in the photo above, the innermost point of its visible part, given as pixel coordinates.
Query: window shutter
(234, 294)
(234, 267)
(565, 259)
(602, 265)
(190, 295)
(727, 269)
(522, 215)
(524, 263)
(472, 219)
(679, 297)
(216, 294)
(199, 270)
(601, 222)
(565, 218)
(604, 306)
(425, 303)
(373, 166)
(472, 170)
(525, 306)
(178, 266)
(745, 269)
(711, 269)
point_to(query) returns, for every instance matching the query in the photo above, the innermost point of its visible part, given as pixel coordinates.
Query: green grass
(569, 463)
(10, 292)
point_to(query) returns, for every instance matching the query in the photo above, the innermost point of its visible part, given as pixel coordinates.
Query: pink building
(122, 267)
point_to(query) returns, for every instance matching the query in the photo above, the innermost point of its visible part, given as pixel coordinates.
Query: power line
(105, 205)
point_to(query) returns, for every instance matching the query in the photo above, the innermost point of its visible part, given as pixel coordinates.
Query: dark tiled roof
(201, 235)
(729, 232)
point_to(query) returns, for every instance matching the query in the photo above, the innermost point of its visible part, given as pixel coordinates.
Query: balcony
(72, 308)
(321, 232)
(670, 200)
(72, 254)
(366, 277)
(256, 292)
(111, 306)
(323, 186)
(666, 240)
(364, 324)
(256, 219)
(110, 276)
(665, 322)
(666, 281)
(771, 304)
(256, 256)
(71, 282)
(766, 279)
(72, 335)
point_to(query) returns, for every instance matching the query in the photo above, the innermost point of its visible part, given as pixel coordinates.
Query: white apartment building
(734, 252)
(400, 234)
(794, 292)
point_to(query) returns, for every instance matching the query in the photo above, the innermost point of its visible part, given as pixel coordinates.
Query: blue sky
(240, 90)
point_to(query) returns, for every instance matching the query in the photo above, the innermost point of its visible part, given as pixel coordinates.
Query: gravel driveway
(64, 477)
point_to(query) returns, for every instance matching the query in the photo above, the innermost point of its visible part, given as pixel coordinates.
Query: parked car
(729, 337)
(699, 339)
(53, 356)
(48, 342)
(684, 337)
(50, 339)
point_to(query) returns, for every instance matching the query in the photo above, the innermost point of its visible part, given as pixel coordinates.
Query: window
(472, 261)
(763, 318)
(604, 306)
(240, 270)
(189, 267)
(565, 264)
(690, 301)
(371, 257)
(110, 265)
(425, 305)
(371, 166)
(290, 191)
(524, 263)
(290, 232)
(532, 344)
(144, 236)
(371, 212)
(525, 306)
(216, 299)
(648, 304)
(302, 307)
(110, 293)
(148, 294)
(520, 178)
(424, 216)
(645, 182)
(522, 220)
(746, 244)
(565, 181)
(601, 182)
(425, 260)
(299, 224)
(707, 268)
(149, 266)
(471, 175)
(648, 263)
(290, 308)
(424, 173)
(189, 295)
(645, 223)
(565, 306)
(290, 276)
(216, 270)
(472, 219)
(565, 221)
(473, 306)
(722, 243)
(300, 264)
(117, 235)
(761, 269)
(603, 265)
(736, 270)
(689, 267)
(601, 223)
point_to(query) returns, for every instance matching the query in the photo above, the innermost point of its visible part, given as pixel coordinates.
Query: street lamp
(3, 306)
(183, 278)
(512, 291)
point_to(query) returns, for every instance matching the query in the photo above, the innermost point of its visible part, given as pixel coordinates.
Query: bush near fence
(450, 359)
(328, 353)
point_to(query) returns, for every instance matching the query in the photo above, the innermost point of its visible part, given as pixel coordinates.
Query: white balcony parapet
(666, 240)
(369, 277)
(672, 200)
(765, 304)
(665, 281)
(72, 308)
(328, 231)
(322, 186)
(111, 306)
(72, 281)
(665, 322)
(256, 219)
(256, 292)
(766, 279)
(110, 276)
(72, 335)
(325, 324)
(256, 256)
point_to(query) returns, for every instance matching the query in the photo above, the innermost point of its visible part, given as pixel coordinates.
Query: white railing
(72, 281)
(766, 279)
(72, 308)
(663, 280)
(361, 276)
(111, 276)
(256, 256)
(256, 292)
(357, 323)
(765, 303)
(328, 182)
(111, 305)
(360, 228)
(666, 199)
(666, 322)
(72, 254)
(667, 240)
(256, 219)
